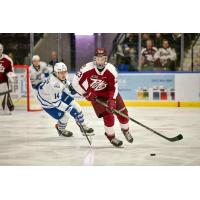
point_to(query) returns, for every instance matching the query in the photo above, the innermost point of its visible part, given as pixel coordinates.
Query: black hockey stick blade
(174, 139)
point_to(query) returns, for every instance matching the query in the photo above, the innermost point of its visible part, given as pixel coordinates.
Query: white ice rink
(31, 139)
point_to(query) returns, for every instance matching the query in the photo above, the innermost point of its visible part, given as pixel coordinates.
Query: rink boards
(158, 89)
(151, 89)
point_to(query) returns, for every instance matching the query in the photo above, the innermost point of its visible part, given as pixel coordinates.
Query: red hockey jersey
(102, 84)
(5, 67)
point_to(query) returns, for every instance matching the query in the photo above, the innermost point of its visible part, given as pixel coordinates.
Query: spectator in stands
(131, 40)
(176, 37)
(157, 40)
(54, 58)
(165, 57)
(145, 37)
(126, 51)
(148, 53)
(175, 41)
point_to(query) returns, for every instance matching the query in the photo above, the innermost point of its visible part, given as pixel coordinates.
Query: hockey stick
(10, 104)
(2, 93)
(83, 130)
(173, 139)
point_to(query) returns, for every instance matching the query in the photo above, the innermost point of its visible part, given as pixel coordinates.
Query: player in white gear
(38, 71)
(53, 94)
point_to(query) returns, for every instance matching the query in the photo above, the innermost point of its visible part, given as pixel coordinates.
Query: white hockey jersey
(50, 93)
(37, 76)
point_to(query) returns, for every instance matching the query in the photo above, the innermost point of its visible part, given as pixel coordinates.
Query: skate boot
(5, 112)
(127, 135)
(114, 141)
(87, 130)
(64, 133)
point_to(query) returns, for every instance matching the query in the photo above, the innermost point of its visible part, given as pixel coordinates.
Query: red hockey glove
(112, 104)
(90, 96)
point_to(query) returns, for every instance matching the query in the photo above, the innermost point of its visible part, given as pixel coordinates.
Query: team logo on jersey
(94, 77)
(164, 53)
(98, 84)
(2, 68)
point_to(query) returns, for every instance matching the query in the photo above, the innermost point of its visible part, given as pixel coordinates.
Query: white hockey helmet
(60, 67)
(36, 61)
(35, 58)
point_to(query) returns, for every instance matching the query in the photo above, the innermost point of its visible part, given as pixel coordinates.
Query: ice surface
(31, 139)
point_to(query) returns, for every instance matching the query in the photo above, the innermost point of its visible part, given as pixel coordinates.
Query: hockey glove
(112, 104)
(90, 96)
(72, 90)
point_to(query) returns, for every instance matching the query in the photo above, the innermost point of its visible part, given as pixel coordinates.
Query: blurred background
(129, 52)
(155, 69)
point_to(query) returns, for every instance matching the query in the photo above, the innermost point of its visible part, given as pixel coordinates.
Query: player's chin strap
(173, 139)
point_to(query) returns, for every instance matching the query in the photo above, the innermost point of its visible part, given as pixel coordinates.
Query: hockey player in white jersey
(38, 71)
(54, 95)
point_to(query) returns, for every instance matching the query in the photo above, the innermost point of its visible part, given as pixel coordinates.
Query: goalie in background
(6, 73)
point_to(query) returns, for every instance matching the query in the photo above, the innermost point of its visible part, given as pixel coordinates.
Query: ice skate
(127, 135)
(114, 141)
(64, 133)
(5, 112)
(87, 130)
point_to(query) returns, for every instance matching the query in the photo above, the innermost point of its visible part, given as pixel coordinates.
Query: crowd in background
(158, 52)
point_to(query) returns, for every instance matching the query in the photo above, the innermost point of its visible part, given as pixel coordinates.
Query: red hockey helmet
(100, 58)
(100, 52)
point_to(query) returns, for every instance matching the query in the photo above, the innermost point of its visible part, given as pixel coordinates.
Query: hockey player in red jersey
(98, 79)
(6, 71)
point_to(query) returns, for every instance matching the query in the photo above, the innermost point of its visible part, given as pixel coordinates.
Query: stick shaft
(85, 133)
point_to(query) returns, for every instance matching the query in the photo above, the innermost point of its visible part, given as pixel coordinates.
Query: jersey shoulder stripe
(89, 66)
(8, 58)
(112, 69)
